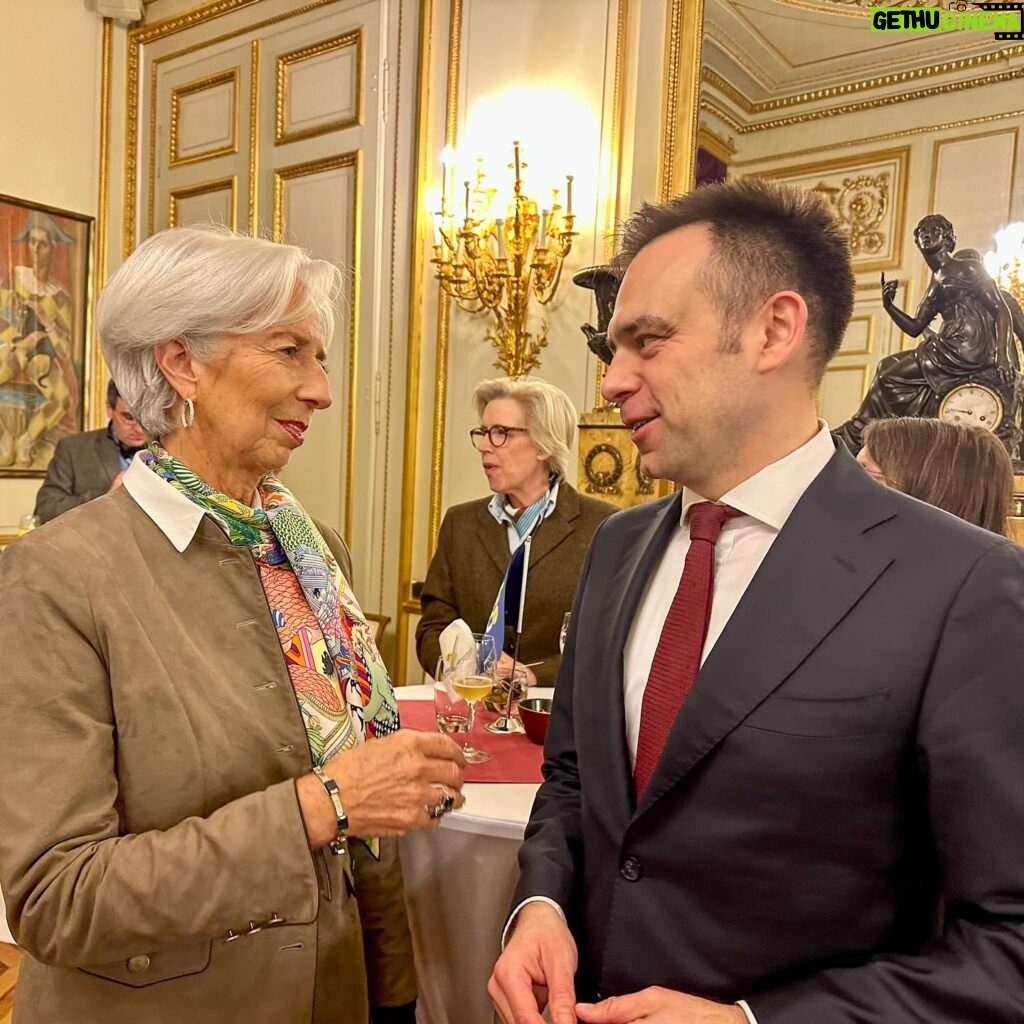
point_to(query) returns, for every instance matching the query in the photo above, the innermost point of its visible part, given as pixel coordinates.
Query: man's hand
(659, 1006)
(503, 668)
(536, 969)
(117, 481)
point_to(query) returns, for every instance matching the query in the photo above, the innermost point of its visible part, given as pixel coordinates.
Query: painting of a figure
(44, 273)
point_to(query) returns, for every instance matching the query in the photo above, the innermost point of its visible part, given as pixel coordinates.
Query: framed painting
(44, 313)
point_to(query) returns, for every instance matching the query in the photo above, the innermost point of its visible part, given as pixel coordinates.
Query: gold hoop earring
(188, 413)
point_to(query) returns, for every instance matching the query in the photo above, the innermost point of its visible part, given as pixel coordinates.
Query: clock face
(974, 404)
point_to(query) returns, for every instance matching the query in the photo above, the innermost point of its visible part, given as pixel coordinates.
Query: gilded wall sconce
(496, 263)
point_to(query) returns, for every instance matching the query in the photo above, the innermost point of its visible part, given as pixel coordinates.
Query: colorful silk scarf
(340, 681)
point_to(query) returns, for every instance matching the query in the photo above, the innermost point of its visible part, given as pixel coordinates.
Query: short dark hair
(960, 468)
(766, 238)
(112, 394)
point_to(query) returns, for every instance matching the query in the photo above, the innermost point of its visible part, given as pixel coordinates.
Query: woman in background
(962, 469)
(524, 439)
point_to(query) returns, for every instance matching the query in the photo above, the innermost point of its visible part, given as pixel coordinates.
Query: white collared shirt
(176, 516)
(496, 506)
(767, 498)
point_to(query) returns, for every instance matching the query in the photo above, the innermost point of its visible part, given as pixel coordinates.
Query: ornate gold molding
(286, 60)
(232, 76)
(937, 144)
(408, 606)
(945, 88)
(392, 264)
(754, 107)
(303, 170)
(868, 346)
(94, 354)
(850, 165)
(682, 88)
(137, 38)
(203, 188)
(713, 143)
(611, 217)
(254, 138)
(141, 36)
(890, 136)
(443, 306)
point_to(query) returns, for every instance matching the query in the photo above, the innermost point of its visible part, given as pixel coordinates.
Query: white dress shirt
(767, 499)
(496, 506)
(177, 516)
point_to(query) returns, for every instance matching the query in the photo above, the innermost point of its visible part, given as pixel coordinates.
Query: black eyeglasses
(497, 434)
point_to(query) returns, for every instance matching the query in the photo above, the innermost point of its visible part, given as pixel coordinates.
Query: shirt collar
(771, 494)
(496, 506)
(175, 516)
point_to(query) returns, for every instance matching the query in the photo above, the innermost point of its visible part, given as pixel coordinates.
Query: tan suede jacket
(152, 853)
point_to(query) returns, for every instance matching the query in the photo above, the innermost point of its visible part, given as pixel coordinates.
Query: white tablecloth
(459, 881)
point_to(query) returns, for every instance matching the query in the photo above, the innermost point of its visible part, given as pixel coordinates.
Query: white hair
(197, 284)
(549, 413)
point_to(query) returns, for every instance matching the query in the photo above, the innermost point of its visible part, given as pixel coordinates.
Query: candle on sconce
(467, 199)
(499, 230)
(438, 233)
(447, 173)
(515, 149)
(542, 237)
(568, 195)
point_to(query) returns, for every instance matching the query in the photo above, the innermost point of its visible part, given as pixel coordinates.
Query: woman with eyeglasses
(525, 440)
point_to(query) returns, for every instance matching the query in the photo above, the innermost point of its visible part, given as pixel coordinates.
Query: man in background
(90, 464)
(787, 726)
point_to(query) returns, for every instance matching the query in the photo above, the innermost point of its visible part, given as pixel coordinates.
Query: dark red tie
(677, 659)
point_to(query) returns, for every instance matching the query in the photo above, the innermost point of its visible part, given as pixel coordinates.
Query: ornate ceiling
(769, 49)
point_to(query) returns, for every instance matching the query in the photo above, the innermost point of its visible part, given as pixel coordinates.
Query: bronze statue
(974, 345)
(604, 282)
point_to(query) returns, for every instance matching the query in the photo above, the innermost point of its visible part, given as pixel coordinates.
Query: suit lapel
(625, 589)
(819, 566)
(550, 532)
(493, 537)
(107, 456)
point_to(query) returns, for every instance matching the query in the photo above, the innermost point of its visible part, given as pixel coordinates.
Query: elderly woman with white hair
(200, 762)
(525, 440)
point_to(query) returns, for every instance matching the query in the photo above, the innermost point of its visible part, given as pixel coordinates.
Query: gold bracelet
(339, 844)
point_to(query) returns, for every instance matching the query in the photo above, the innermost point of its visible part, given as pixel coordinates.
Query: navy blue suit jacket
(852, 751)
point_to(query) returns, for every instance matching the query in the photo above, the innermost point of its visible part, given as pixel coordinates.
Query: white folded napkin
(458, 650)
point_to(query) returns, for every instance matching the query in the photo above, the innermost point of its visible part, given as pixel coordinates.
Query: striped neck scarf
(525, 520)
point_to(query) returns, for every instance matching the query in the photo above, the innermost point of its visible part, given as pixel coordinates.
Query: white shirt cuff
(742, 1004)
(533, 899)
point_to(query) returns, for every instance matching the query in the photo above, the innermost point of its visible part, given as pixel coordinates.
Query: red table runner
(513, 758)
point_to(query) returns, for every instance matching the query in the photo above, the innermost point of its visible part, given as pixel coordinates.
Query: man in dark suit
(766, 771)
(88, 465)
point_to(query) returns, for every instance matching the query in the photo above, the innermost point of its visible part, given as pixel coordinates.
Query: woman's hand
(386, 786)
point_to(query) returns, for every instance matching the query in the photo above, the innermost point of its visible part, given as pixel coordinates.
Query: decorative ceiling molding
(751, 107)
(773, 51)
(856, 8)
(708, 103)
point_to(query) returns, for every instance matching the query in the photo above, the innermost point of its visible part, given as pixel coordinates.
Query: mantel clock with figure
(609, 463)
(967, 371)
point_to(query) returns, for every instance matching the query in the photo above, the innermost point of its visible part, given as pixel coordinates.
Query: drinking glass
(450, 711)
(469, 680)
(508, 720)
(563, 633)
(26, 523)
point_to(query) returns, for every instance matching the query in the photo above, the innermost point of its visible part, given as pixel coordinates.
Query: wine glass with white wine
(471, 679)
